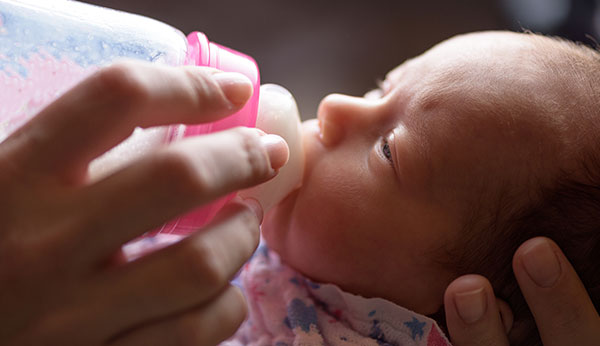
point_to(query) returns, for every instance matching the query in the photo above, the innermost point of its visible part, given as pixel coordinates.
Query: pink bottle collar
(202, 52)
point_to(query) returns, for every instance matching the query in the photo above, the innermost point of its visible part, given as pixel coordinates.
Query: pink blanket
(287, 309)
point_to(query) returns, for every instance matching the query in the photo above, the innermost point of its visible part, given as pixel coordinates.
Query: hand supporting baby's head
(469, 149)
(561, 200)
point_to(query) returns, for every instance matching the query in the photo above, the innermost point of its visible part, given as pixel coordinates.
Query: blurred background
(316, 47)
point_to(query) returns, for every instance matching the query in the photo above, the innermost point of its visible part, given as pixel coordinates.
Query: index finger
(105, 108)
(175, 180)
(563, 310)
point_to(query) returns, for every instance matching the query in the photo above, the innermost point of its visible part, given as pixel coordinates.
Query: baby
(462, 154)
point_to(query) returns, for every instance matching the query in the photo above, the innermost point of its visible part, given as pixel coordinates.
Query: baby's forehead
(542, 82)
(525, 70)
(490, 64)
(471, 50)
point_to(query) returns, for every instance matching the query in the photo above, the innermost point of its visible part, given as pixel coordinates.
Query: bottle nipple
(278, 114)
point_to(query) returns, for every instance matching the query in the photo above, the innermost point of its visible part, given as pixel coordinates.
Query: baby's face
(391, 178)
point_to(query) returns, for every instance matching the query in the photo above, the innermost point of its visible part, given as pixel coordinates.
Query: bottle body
(47, 47)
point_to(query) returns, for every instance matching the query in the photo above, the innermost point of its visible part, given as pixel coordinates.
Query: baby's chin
(277, 222)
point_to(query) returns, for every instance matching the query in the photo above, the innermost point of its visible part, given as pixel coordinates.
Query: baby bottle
(46, 47)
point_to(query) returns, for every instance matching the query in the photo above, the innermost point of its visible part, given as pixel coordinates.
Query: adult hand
(562, 308)
(59, 231)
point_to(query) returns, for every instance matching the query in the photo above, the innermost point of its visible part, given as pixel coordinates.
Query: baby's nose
(340, 114)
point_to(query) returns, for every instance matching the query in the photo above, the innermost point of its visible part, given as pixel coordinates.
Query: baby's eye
(385, 150)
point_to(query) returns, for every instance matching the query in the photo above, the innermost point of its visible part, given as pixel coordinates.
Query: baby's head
(466, 151)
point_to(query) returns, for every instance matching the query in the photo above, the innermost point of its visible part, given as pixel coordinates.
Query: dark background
(315, 47)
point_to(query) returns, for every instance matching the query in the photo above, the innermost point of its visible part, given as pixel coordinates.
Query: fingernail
(256, 208)
(236, 87)
(541, 263)
(277, 149)
(471, 305)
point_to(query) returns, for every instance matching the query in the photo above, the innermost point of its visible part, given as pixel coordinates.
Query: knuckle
(242, 224)
(241, 307)
(571, 316)
(205, 264)
(255, 157)
(176, 173)
(249, 224)
(203, 90)
(235, 311)
(212, 326)
(189, 331)
(122, 81)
